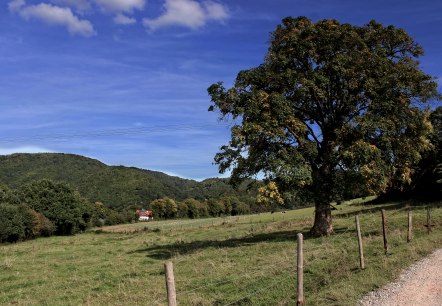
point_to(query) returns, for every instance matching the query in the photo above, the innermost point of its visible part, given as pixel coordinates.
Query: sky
(125, 81)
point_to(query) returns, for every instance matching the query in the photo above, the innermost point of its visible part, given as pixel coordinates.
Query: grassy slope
(248, 260)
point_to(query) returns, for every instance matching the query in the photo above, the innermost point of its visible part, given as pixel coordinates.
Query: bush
(12, 225)
(64, 207)
(42, 227)
(193, 211)
(215, 207)
(165, 208)
(182, 210)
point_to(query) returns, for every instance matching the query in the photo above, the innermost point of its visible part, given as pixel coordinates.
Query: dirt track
(421, 284)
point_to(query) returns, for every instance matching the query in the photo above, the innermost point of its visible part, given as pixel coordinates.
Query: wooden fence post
(361, 250)
(170, 284)
(300, 271)
(428, 220)
(410, 225)
(384, 231)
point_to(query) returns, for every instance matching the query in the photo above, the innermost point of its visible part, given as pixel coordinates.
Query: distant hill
(115, 186)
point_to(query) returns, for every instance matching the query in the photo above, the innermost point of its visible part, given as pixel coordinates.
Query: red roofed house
(144, 215)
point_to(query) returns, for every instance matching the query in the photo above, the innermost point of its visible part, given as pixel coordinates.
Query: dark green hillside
(115, 186)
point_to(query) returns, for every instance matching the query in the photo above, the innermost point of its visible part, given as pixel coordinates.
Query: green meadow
(244, 260)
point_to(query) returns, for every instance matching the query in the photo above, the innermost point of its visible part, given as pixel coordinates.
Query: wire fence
(277, 278)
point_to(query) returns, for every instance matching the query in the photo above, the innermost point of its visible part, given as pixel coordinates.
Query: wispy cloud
(16, 5)
(187, 13)
(121, 5)
(78, 5)
(124, 20)
(54, 15)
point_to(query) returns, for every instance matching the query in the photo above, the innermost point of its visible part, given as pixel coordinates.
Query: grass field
(246, 260)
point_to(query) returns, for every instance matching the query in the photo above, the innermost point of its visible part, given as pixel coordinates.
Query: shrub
(12, 223)
(63, 206)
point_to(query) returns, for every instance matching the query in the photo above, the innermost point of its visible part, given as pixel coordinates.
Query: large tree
(331, 101)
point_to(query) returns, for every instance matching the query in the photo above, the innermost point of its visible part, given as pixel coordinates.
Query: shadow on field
(379, 207)
(165, 252)
(411, 204)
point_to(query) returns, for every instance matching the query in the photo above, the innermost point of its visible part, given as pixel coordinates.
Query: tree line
(167, 208)
(44, 208)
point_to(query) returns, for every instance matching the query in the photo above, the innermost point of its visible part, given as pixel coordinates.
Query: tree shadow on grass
(411, 204)
(377, 208)
(167, 251)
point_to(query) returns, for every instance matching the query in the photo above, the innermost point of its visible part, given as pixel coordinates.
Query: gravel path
(421, 284)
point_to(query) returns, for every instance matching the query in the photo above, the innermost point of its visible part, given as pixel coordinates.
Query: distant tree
(7, 195)
(12, 225)
(202, 209)
(63, 206)
(98, 214)
(196, 209)
(329, 98)
(226, 202)
(182, 211)
(39, 225)
(240, 208)
(19, 222)
(164, 208)
(171, 208)
(215, 207)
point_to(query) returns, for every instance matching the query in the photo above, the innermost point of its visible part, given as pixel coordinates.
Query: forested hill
(115, 186)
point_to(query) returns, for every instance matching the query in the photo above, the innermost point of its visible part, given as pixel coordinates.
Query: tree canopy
(63, 206)
(332, 103)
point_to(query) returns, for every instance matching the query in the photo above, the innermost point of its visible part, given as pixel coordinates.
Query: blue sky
(125, 81)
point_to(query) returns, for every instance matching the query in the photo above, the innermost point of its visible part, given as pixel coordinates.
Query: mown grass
(246, 260)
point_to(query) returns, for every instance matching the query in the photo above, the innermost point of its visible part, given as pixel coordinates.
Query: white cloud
(56, 15)
(79, 5)
(16, 5)
(216, 11)
(24, 149)
(121, 5)
(124, 20)
(187, 13)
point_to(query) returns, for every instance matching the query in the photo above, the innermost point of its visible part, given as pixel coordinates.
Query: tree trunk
(323, 221)
(324, 188)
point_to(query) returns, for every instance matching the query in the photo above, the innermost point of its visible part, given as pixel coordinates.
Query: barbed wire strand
(250, 276)
(255, 292)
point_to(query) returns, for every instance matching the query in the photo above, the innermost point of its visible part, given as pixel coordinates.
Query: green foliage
(215, 208)
(19, 222)
(12, 225)
(7, 195)
(64, 207)
(330, 98)
(428, 175)
(119, 187)
(268, 195)
(164, 208)
(182, 210)
(195, 209)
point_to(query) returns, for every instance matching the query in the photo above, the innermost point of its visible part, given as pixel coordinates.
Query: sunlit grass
(241, 260)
